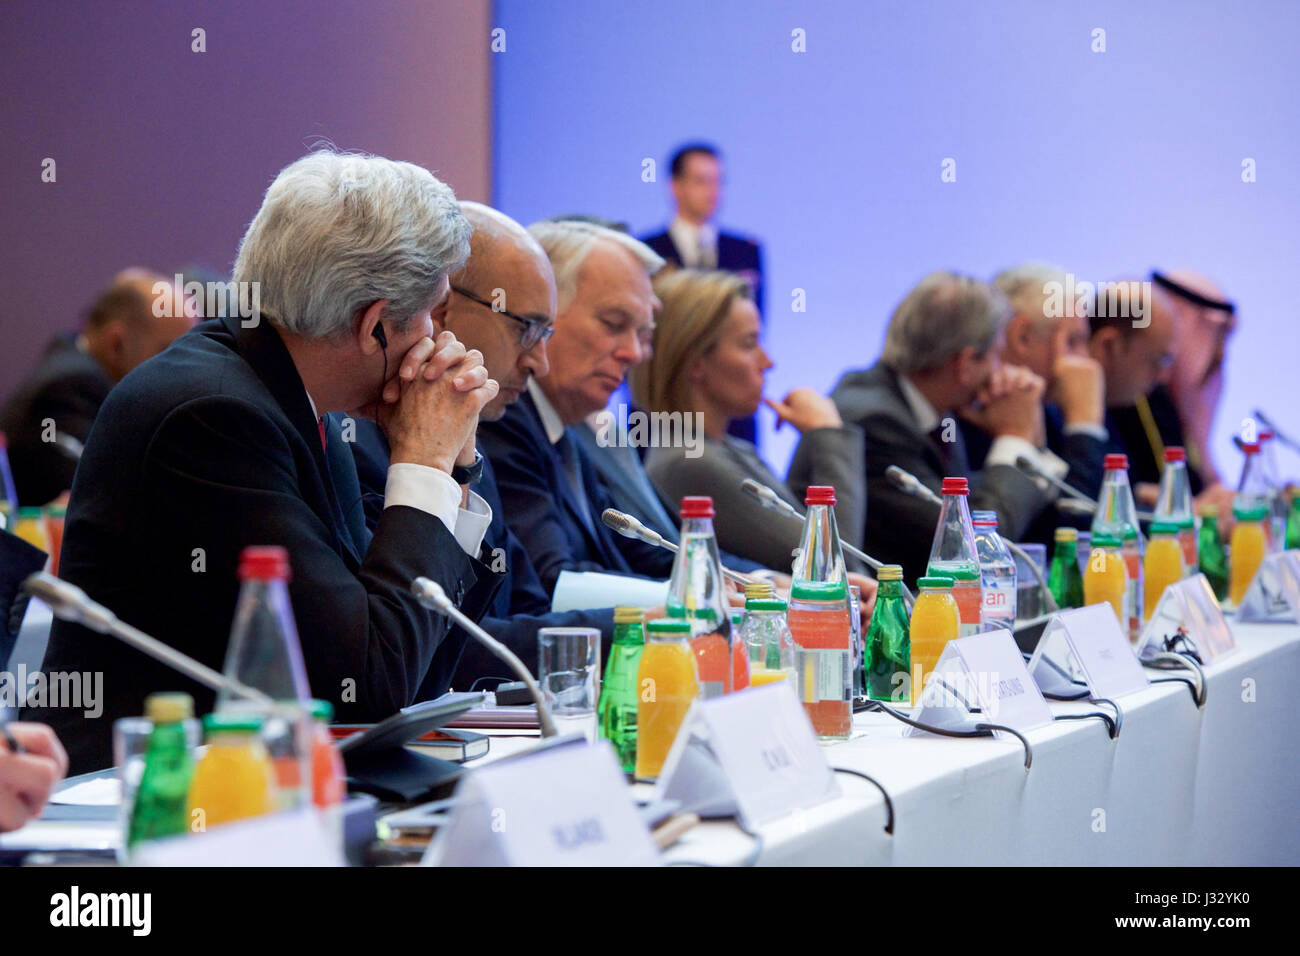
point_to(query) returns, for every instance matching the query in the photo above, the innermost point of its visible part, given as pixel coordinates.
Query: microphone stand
(430, 594)
(630, 527)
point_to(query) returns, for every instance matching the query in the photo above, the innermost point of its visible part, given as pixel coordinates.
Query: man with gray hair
(234, 437)
(1048, 334)
(552, 493)
(942, 355)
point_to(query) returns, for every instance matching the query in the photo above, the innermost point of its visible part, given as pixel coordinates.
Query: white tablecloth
(1219, 785)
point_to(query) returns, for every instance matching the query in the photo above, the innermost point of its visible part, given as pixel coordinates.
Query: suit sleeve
(367, 644)
(41, 465)
(1012, 494)
(899, 527)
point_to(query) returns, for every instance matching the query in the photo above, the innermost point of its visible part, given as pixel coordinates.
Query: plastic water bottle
(953, 554)
(997, 574)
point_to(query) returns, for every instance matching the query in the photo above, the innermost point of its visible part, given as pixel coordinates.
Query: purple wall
(1104, 163)
(163, 154)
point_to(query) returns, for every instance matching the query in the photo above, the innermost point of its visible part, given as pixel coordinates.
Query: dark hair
(119, 301)
(1116, 304)
(679, 157)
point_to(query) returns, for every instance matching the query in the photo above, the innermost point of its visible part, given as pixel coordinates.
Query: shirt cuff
(472, 524)
(1007, 448)
(1091, 429)
(426, 489)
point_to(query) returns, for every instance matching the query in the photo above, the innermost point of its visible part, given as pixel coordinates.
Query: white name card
(564, 806)
(304, 837)
(1187, 618)
(1086, 644)
(983, 672)
(752, 754)
(1276, 587)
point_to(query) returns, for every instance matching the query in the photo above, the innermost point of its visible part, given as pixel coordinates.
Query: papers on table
(583, 590)
(98, 792)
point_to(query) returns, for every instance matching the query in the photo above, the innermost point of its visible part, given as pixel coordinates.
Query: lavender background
(1105, 163)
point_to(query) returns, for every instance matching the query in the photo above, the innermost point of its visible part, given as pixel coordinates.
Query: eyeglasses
(532, 332)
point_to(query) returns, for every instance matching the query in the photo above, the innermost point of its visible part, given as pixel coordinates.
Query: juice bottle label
(968, 608)
(826, 675)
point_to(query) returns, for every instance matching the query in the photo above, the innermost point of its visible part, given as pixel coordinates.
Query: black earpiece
(380, 335)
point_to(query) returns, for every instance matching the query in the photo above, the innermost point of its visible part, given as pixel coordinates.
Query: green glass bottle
(1064, 579)
(160, 802)
(1213, 559)
(1293, 525)
(887, 648)
(617, 707)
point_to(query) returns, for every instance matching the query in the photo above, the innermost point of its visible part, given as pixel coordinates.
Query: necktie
(573, 472)
(944, 448)
(320, 424)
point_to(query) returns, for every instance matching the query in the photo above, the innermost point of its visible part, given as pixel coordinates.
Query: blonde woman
(707, 360)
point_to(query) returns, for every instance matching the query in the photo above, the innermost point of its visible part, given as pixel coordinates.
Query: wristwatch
(469, 474)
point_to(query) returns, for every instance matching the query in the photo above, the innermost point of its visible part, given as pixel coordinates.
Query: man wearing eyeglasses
(1133, 336)
(551, 492)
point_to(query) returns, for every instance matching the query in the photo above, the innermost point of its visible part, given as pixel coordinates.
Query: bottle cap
(819, 591)
(760, 589)
(1115, 462)
(1175, 453)
(1165, 527)
(1208, 511)
(765, 604)
(628, 615)
(819, 495)
(1250, 447)
(323, 711)
(168, 708)
(697, 507)
(984, 519)
(669, 625)
(1250, 512)
(1265, 435)
(889, 572)
(934, 581)
(956, 486)
(264, 563)
(238, 722)
(1067, 534)
(1104, 541)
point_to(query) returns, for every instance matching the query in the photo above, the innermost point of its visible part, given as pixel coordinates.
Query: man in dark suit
(941, 355)
(48, 417)
(505, 265)
(230, 438)
(1048, 334)
(692, 240)
(553, 495)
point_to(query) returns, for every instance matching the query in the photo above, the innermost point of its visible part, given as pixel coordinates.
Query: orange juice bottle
(935, 622)
(1164, 563)
(1249, 544)
(1106, 579)
(666, 684)
(235, 778)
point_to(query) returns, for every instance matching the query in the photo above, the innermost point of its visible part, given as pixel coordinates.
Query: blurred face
(605, 330)
(521, 284)
(972, 372)
(729, 377)
(699, 188)
(1137, 362)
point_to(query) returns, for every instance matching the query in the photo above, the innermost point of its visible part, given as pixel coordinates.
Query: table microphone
(430, 594)
(908, 483)
(771, 500)
(1072, 506)
(630, 527)
(69, 603)
(1033, 471)
(1268, 423)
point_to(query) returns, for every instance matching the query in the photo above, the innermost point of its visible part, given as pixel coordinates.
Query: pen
(14, 746)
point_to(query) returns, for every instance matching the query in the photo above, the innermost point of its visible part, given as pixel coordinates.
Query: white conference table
(1180, 786)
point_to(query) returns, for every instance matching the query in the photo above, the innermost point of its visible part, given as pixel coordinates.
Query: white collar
(927, 419)
(688, 237)
(550, 417)
(314, 414)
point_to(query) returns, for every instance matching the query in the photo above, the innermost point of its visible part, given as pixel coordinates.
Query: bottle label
(999, 604)
(710, 689)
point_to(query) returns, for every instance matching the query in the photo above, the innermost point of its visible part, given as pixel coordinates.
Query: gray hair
(1028, 287)
(338, 232)
(942, 315)
(567, 244)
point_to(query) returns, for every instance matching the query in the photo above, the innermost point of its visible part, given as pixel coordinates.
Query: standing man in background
(693, 241)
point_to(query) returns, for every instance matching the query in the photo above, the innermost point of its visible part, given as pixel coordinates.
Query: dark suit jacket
(67, 386)
(531, 479)
(1085, 455)
(1129, 437)
(900, 528)
(203, 450)
(521, 605)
